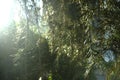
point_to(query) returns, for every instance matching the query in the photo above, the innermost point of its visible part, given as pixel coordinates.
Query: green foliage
(67, 42)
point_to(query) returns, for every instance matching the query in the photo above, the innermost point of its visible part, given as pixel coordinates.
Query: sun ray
(6, 10)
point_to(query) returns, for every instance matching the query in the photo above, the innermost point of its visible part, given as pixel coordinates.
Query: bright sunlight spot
(6, 12)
